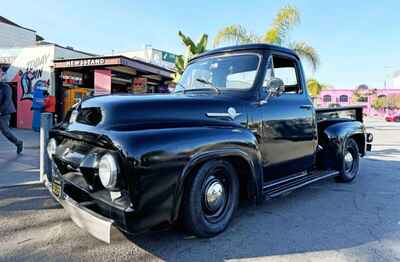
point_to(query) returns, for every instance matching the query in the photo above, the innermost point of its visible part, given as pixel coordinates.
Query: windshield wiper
(203, 81)
(183, 87)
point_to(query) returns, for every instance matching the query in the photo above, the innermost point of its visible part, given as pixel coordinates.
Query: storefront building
(345, 97)
(38, 70)
(79, 78)
(70, 75)
(154, 56)
(30, 69)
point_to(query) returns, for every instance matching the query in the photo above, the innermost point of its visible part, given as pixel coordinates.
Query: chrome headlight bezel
(51, 148)
(73, 117)
(370, 137)
(108, 171)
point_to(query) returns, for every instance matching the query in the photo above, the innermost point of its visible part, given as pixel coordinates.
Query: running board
(278, 187)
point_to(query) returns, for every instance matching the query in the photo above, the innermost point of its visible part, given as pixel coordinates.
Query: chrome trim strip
(218, 115)
(232, 114)
(286, 179)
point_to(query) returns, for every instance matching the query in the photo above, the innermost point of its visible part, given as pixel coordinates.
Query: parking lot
(325, 221)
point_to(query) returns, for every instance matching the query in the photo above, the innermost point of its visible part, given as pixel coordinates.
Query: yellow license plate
(56, 188)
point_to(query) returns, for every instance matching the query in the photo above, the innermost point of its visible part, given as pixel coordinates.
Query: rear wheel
(351, 162)
(211, 199)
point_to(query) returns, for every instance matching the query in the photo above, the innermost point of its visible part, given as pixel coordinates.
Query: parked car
(239, 125)
(392, 117)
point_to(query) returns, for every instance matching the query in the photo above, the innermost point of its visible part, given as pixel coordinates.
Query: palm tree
(278, 34)
(192, 49)
(236, 34)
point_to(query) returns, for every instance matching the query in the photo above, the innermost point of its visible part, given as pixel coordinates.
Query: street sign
(168, 57)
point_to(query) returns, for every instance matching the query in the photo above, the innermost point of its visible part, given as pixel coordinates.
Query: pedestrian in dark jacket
(6, 109)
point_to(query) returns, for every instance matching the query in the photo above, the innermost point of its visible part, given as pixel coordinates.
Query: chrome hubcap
(348, 161)
(215, 196)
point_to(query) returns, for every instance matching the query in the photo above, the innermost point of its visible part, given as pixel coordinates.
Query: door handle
(307, 107)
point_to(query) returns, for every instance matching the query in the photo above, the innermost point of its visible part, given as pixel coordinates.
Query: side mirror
(275, 86)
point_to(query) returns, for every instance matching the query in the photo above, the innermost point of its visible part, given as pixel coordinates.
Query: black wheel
(351, 162)
(211, 199)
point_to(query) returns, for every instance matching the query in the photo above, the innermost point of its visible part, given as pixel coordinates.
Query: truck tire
(351, 162)
(211, 199)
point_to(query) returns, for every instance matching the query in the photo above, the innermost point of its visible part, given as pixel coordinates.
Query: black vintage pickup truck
(240, 125)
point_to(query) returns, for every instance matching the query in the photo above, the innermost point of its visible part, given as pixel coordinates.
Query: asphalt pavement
(325, 221)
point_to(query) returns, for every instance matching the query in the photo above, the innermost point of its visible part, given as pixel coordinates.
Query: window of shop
(343, 98)
(327, 98)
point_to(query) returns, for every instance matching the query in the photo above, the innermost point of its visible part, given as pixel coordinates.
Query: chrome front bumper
(98, 226)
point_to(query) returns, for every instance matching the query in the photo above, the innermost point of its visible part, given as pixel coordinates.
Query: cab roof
(235, 48)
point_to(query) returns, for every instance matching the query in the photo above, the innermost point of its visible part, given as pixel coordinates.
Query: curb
(383, 127)
(30, 183)
(31, 147)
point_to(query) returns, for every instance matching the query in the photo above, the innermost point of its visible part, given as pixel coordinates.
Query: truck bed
(346, 112)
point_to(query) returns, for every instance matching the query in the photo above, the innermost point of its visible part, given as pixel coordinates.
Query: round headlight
(51, 147)
(108, 171)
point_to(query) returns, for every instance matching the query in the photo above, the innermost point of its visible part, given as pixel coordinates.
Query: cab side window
(285, 69)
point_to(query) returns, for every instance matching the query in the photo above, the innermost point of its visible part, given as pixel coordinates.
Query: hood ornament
(232, 114)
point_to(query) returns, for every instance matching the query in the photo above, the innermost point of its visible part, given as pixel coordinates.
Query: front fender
(164, 158)
(242, 144)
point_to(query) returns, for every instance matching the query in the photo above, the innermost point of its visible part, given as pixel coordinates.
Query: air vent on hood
(89, 116)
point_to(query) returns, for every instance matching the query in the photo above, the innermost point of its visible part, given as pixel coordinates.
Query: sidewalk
(19, 169)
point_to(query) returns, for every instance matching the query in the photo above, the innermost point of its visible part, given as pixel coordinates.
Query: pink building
(344, 97)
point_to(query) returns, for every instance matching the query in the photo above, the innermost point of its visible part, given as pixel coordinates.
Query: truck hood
(139, 112)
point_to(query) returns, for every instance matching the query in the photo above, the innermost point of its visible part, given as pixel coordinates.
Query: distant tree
(379, 103)
(393, 101)
(192, 49)
(362, 87)
(314, 87)
(390, 101)
(362, 92)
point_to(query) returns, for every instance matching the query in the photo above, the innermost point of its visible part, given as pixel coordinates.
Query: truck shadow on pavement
(360, 220)
(323, 217)
(30, 197)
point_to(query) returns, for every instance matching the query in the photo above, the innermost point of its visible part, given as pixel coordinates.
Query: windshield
(235, 72)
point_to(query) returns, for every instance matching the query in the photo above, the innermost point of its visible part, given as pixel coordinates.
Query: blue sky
(358, 41)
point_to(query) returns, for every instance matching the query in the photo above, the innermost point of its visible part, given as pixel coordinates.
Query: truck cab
(240, 125)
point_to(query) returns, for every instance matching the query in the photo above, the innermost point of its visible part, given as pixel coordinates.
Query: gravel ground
(325, 221)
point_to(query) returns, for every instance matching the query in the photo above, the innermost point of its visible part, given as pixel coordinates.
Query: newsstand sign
(86, 62)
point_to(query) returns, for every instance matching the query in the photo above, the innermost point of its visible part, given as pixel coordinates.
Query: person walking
(6, 109)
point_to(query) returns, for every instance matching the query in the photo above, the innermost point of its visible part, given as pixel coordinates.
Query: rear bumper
(98, 226)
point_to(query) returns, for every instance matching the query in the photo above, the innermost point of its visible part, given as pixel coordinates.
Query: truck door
(288, 128)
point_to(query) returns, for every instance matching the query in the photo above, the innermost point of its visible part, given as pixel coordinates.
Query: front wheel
(211, 199)
(351, 162)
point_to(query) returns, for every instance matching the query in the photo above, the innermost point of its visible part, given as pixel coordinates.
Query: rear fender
(337, 135)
